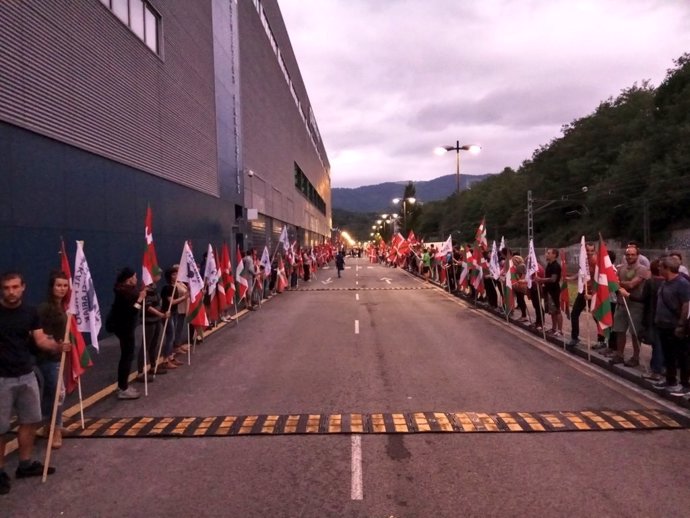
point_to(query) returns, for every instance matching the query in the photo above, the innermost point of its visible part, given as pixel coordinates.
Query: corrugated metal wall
(72, 71)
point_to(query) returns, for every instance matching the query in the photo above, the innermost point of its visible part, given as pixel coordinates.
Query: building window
(140, 17)
(303, 185)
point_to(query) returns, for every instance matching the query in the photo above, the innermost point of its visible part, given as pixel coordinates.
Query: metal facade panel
(72, 71)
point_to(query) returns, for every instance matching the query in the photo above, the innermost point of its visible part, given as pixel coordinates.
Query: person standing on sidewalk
(552, 291)
(53, 320)
(123, 320)
(19, 326)
(629, 315)
(583, 299)
(671, 314)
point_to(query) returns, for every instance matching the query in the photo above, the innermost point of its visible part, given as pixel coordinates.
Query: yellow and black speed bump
(377, 423)
(361, 288)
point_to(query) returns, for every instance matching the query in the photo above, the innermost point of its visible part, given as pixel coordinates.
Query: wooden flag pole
(81, 403)
(56, 402)
(143, 346)
(165, 327)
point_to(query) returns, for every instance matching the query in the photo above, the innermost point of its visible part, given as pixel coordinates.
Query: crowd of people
(651, 304)
(32, 340)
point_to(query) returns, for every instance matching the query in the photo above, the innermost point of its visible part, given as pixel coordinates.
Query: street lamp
(405, 201)
(472, 148)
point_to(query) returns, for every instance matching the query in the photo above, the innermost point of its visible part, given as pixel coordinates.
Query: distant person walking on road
(340, 262)
(19, 327)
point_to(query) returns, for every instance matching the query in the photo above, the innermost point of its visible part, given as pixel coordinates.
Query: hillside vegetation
(623, 170)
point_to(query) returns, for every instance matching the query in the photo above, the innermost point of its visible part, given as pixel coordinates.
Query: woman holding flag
(53, 318)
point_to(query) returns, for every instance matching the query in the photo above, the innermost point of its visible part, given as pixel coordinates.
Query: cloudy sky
(390, 80)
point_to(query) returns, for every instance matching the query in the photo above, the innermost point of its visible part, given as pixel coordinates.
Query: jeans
(126, 356)
(656, 364)
(49, 371)
(153, 332)
(676, 356)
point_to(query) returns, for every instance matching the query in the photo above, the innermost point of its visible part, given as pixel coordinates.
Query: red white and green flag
(189, 273)
(604, 283)
(241, 280)
(226, 278)
(78, 359)
(480, 236)
(149, 268)
(281, 282)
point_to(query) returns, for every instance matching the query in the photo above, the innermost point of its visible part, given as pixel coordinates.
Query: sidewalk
(587, 328)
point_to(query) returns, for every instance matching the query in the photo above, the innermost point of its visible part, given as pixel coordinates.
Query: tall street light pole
(472, 148)
(404, 201)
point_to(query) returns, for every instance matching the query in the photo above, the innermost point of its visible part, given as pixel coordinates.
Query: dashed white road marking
(357, 489)
(356, 327)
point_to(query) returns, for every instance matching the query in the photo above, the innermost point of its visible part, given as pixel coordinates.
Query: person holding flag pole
(532, 273)
(150, 273)
(189, 273)
(586, 266)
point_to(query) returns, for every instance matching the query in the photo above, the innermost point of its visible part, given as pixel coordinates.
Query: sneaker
(653, 377)
(616, 359)
(661, 384)
(632, 362)
(35, 469)
(600, 345)
(5, 483)
(677, 390)
(573, 343)
(558, 334)
(130, 393)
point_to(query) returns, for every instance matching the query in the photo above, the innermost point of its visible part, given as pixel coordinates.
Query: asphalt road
(375, 341)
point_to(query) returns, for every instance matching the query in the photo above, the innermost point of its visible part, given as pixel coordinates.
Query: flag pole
(589, 324)
(56, 402)
(165, 326)
(541, 312)
(81, 403)
(143, 346)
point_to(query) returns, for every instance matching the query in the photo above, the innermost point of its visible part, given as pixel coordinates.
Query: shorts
(621, 322)
(551, 303)
(19, 394)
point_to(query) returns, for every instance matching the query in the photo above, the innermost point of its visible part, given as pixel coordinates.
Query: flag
(83, 302)
(189, 273)
(583, 267)
(494, 263)
(284, 238)
(211, 278)
(78, 359)
(480, 236)
(503, 244)
(266, 261)
(604, 283)
(476, 271)
(149, 268)
(221, 299)
(464, 275)
(508, 290)
(565, 295)
(282, 281)
(446, 248)
(227, 279)
(532, 264)
(242, 281)
(412, 239)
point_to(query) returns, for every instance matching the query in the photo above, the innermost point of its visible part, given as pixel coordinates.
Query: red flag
(282, 281)
(78, 359)
(604, 283)
(480, 237)
(243, 283)
(226, 278)
(150, 268)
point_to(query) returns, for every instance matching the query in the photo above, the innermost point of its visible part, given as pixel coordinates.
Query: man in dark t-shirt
(552, 291)
(19, 328)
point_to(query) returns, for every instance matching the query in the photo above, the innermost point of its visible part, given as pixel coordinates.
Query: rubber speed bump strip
(361, 288)
(377, 423)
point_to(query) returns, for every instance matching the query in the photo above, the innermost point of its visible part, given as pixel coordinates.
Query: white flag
(211, 273)
(583, 275)
(84, 304)
(284, 239)
(494, 263)
(189, 273)
(446, 248)
(532, 264)
(266, 261)
(502, 246)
